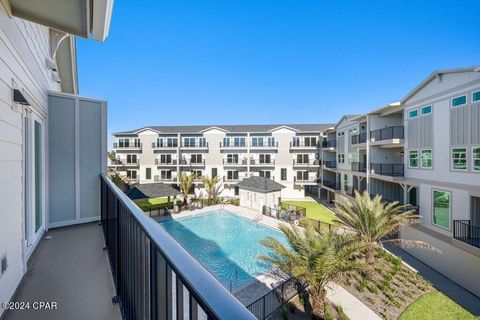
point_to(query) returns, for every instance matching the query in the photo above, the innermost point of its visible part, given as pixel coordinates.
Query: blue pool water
(225, 243)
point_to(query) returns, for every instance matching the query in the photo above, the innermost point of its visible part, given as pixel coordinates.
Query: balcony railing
(232, 179)
(233, 145)
(302, 144)
(232, 162)
(331, 184)
(386, 169)
(159, 162)
(264, 145)
(359, 166)
(359, 138)
(395, 132)
(305, 179)
(195, 145)
(330, 164)
(117, 145)
(466, 232)
(257, 162)
(154, 275)
(310, 162)
(156, 145)
(189, 162)
(120, 162)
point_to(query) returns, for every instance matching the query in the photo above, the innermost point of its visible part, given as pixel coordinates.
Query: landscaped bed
(315, 210)
(153, 203)
(393, 291)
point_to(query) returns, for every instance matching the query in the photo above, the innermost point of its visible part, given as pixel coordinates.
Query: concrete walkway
(353, 308)
(72, 270)
(454, 291)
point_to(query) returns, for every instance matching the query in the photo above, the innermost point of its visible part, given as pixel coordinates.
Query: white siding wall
(23, 49)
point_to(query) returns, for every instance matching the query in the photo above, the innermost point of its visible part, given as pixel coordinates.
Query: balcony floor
(71, 269)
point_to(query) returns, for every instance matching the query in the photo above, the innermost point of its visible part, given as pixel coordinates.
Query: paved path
(454, 291)
(353, 308)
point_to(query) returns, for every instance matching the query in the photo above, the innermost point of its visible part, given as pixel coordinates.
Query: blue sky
(231, 62)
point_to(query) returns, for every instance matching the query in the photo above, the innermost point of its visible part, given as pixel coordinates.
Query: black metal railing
(331, 144)
(268, 304)
(164, 145)
(267, 144)
(466, 232)
(189, 162)
(309, 162)
(387, 169)
(330, 164)
(233, 145)
(395, 132)
(160, 162)
(154, 276)
(297, 144)
(331, 185)
(257, 162)
(285, 212)
(194, 145)
(359, 166)
(359, 138)
(117, 145)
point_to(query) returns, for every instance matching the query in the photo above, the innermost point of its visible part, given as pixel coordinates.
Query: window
(198, 174)
(214, 172)
(271, 141)
(189, 142)
(341, 158)
(441, 209)
(172, 142)
(413, 114)
(148, 173)
(226, 142)
(459, 101)
(476, 159)
(239, 142)
(283, 173)
(426, 110)
(476, 96)
(459, 159)
(123, 143)
(257, 142)
(202, 142)
(131, 158)
(310, 141)
(160, 142)
(232, 175)
(232, 158)
(302, 158)
(302, 175)
(413, 159)
(265, 158)
(165, 174)
(296, 141)
(166, 158)
(265, 173)
(136, 142)
(196, 158)
(132, 174)
(427, 159)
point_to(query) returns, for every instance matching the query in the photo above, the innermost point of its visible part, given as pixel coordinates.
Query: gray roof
(260, 184)
(229, 128)
(151, 190)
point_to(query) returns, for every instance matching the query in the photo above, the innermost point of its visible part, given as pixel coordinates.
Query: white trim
(409, 166)
(456, 97)
(449, 209)
(421, 159)
(452, 162)
(73, 222)
(77, 157)
(473, 161)
(472, 101)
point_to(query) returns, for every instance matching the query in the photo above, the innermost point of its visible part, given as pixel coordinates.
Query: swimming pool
(225, 243)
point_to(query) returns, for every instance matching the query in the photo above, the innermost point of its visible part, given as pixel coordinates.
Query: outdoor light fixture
(19, 98)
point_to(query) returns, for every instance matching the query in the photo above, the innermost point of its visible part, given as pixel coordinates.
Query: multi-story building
(289, 154)
(423, 150)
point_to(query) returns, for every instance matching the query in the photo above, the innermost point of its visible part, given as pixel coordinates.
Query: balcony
(466, 232)
(125, 163)
(359, 166)
(164, 146)
(308, 163)
(389, 133)
(154, 276)
(127, 146)
(263, 146)
(230, 180)
(167, 179)
(359, 138)
(305, 180)
(264, 163)
(332, 185)
(231, 146)
(194, 146)
(191, 163)
(172, 162)
(330, 164)
(303, 145)
(235, 163)
(387, 169)
(330, 144)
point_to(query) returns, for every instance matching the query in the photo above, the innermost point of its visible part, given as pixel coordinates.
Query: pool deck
(261, 284)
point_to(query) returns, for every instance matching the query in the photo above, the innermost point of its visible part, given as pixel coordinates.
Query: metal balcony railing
(395, 132)
(189, 162)
(359, 138)
(231, 179)
(233, 145)
(330, 164)
(466, 232)
(387, 169)
(117, 145)
(308, 179)
(264, 145)
(310, 162)
(158, 178)
(156, 145)
(257, 162)
(302, 144)
(195, 145)
(172, 162)
(233, 162)
(123, 162)
(359, 166)
(149, 266)
(331, 184)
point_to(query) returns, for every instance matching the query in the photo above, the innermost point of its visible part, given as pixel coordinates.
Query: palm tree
(314, 258)
(210, 184)
(186, 183)
(376, 222)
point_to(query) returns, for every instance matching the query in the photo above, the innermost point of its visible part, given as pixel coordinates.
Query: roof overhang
(84, 18)
(66, 58)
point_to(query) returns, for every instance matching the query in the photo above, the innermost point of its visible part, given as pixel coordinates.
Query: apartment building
(423, 150)
(287, 153)
(52, 141)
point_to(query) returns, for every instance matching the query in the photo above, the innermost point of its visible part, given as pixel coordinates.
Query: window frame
(409, 159)
(452, 159)
(425, 107)
(449, 209)
(473, 96)
(148, 173)
(459, 105)
(410, 114)
(431, 159)
(474, 159)
(283, 174)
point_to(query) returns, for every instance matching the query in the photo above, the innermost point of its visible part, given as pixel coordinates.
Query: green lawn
(434, 306)
(315, 210)
(152, 203)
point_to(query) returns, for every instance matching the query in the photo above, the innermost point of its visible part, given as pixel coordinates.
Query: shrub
(361, 285)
